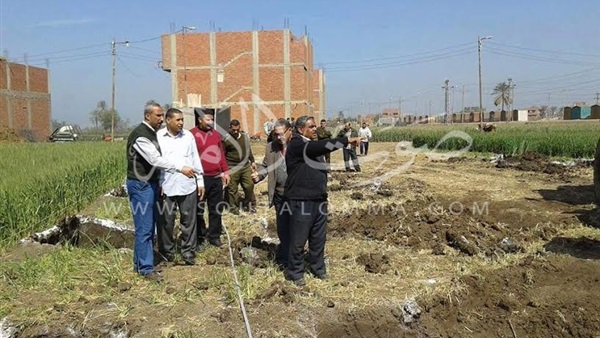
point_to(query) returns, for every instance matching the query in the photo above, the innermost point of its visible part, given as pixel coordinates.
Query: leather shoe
(216, 242)
(189, 260)
(299, 282)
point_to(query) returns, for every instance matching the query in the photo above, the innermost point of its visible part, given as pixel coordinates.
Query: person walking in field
(144, 163)
(350, 159)
(365, 134)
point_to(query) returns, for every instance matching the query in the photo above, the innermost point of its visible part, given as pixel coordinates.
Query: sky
(376, 54)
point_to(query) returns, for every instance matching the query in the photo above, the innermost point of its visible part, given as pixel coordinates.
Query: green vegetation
(576, 139)
(42, 182)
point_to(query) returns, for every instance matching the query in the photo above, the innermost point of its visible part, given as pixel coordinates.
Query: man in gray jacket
(273, 166)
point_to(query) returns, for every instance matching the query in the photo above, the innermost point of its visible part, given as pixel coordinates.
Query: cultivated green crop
(42, 182)
(574, 139)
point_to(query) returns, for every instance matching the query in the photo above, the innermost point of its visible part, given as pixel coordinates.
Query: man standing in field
(216, 175)
(324, 134)
(179, 191)
(144, 161)
(365, 134)
(350, 159)
(306, 192)
(273, 166)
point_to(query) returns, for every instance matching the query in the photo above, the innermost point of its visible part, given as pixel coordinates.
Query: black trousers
(350, 156)
(213, 201)
(282, 218)
(167, 208)
(364, 148)
(308, 221)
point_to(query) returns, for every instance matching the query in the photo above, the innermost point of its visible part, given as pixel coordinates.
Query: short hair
(282, 123)
(301, 121)
(150, 107)
(234, 123)
(323, 120)
(171, 111)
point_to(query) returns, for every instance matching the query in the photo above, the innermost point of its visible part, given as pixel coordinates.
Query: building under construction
(25, 100)
(260, 74)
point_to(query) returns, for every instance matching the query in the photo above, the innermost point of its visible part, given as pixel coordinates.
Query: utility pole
(446, 87)
(400, 108)
(480, 93)
(597, 98)
(462, 111)
(114, 71)
(511, 92)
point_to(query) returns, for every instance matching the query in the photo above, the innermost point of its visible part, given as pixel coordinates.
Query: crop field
(42, 182)
(575, 139)
(459, 247)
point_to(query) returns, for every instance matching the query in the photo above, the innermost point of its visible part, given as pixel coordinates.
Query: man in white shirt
(177, 190)
(364, 133)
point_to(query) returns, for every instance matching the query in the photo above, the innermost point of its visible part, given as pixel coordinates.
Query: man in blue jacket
(306, 192)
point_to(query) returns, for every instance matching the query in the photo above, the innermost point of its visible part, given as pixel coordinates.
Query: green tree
(102, 116)
(502, 95)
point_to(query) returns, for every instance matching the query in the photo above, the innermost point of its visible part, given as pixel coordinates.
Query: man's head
(305, 125)
(174, 120)
(153, 115)
(283, 131)
(323, 123)
(348, 125)
(364, 125)
(234, 128)
(206, 120)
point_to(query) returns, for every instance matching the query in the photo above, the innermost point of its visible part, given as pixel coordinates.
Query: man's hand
(225, 179)
(201, 192)
(254, 176)
(354, 140)
(254, 166)
(187, 171)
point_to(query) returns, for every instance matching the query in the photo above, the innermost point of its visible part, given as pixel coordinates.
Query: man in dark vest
(144, 162)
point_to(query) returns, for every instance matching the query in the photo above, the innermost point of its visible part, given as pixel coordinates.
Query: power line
(542, 50)
(395, 57)
(70, 50)
(404, 63)
(540, 58)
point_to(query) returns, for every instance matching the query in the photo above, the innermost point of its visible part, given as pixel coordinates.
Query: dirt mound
(531, 161)
(255, 252)
(10, 135)
(544, 296)
(468, 227)
(374, 262)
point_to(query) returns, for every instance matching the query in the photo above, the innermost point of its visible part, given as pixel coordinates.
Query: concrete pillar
(255, 80)
(321, 93)
(287, 73)
(29, 98)
(174, 71)
(214, 98)
(9, 97)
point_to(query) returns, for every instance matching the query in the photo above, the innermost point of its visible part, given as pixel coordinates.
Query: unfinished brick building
(25, 100)
(259, 74)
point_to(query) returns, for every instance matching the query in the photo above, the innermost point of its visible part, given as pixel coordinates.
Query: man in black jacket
(306, 192)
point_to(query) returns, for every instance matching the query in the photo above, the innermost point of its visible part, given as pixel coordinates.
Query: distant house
(389, 116)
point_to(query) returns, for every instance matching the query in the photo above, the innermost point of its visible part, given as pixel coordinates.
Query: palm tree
(502, 94)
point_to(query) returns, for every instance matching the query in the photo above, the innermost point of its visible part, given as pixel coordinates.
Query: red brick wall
(239, 73)
(38, 80)
(18, 98)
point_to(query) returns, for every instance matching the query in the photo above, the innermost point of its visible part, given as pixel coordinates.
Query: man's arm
(314, 149)
(149, 152)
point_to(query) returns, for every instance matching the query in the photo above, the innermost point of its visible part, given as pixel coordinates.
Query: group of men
(173, 168)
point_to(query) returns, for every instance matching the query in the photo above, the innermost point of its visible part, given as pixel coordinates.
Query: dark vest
(137, 167)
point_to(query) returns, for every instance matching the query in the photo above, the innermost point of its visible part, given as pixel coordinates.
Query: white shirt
(364, 134)
(148, 150)
(180, 150)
